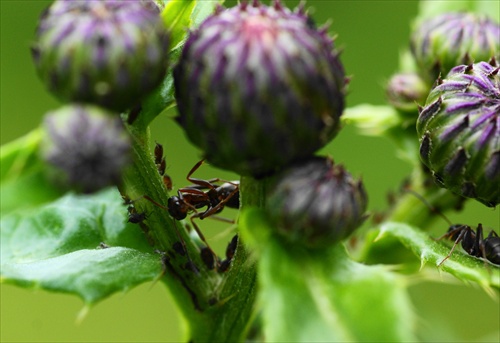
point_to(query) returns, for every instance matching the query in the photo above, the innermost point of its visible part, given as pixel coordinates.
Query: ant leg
(199, 182)
(458, 240)
(450, 233)
(200, 234)
(219, 206)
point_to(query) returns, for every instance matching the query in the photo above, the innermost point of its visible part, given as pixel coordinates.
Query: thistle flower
(450, 39)
(316, 203)
(106, 52)
(459, 131)
(258, 87)
(88, 147)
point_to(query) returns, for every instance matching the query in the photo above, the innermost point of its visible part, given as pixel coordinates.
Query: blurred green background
(371, 33)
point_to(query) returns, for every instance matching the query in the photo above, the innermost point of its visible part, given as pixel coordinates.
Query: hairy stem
(216, 306)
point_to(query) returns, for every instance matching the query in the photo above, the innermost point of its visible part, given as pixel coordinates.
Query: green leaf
(323, 295)
(93, 274)
(78, 244)
(177, 18)
(460, 264)
(23, 182)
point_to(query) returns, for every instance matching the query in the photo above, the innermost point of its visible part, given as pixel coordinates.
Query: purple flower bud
(450, 39)
(405, 91)
(87, 146)
(459, 131)
(316, 203)
(258, 87)
(107, 52)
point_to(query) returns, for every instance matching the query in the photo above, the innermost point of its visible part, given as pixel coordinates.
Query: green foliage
(83, 245)
(23, 179)
(77, 244)
(461, 265)
(322, 295)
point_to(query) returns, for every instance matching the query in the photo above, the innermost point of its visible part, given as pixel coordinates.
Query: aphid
(231, 247)
(208, 258)
(161, 166)
(136, 217)
(230, 251)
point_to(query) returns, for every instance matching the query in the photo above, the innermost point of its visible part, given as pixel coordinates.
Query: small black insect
(208, 258)
(136, 217)
(231, 247)
(473, 242)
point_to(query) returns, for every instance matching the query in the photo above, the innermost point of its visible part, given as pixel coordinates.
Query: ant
(473, 243)
(202, 193)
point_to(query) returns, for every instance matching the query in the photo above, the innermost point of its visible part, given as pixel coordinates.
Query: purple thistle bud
(258, 87)
(106, 52)
(450, 39)
(459, 131)
(316, 203)
(88, 147)
(405, 91)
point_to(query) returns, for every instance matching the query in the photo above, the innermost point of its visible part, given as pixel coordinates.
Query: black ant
(203, 193)
(473, 243)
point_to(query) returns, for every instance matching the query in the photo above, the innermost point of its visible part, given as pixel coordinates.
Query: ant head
(177, 208)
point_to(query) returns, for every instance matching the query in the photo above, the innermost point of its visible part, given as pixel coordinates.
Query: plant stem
(216, 306)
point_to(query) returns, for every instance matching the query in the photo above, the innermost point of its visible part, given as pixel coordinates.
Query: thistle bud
(405, 91)
(258, 87)
(316, 203)
(88, 147)
(106, 52)
(450, 39)
(459, 131)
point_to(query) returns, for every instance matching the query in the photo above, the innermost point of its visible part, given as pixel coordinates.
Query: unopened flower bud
(87, 146)
(106, 52)
(459, 131)
(406, 90)
(258, 87)
(450, 39)
(316, 203)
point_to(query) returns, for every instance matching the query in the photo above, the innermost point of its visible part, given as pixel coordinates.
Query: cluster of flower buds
(107, 52)
(258, 87)
(442, 42)
(87, 146)
(91, 53)
(459, 130)
(316, 203)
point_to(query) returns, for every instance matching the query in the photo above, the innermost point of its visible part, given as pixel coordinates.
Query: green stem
(216, 306)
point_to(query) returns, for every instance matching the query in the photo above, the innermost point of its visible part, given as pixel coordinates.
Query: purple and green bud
(459, 131)
(258, 87)
(316, 203)
(105, 52)
(405, 91)
(442, 42)
(87, 146)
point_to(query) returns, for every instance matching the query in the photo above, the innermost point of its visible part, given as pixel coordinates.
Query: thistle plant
(260, 90)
